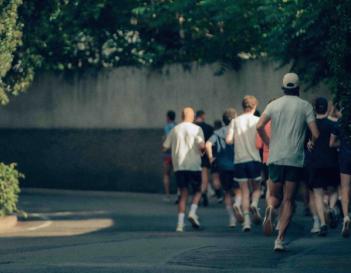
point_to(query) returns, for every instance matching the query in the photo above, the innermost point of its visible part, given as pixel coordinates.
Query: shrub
(9, 188)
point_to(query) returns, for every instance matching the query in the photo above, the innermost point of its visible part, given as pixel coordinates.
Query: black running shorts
(185, 179)
(227, 180)
(324, 177)
(282, 173)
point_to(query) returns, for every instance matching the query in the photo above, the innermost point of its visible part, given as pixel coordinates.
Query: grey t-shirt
(290, 116)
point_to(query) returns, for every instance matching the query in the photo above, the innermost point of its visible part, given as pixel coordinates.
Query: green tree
(10, 39)
(315, 36)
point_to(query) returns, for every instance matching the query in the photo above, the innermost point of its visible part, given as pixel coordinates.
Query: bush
(9, 188)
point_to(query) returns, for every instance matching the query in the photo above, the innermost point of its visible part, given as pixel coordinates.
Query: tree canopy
(64, 35)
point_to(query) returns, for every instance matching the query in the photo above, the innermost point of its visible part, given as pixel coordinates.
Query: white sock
(237, 201)
(181, 218)
(346, 218)
(247, 217)
(316, 219)
(193, 209)
(230, 212)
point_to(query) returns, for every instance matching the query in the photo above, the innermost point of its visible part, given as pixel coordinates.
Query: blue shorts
(248, 171)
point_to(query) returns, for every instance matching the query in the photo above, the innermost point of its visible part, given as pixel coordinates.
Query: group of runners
(291, 141)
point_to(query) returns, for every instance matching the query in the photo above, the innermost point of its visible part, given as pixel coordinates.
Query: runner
(186, 142)
(216, 183)
(205, 164)
(242, 132)
(339, 139)
(224, 163)
(323, 168)
(167, 157)
(290, 117)
(264, 148)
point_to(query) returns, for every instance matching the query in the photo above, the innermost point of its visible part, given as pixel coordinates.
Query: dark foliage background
(64, 35)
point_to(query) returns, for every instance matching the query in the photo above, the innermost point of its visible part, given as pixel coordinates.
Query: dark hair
(257, 113)
(292, 91)
(321, 105)
(228, 115)
(199, 113)
(171, 115)
(217, 124)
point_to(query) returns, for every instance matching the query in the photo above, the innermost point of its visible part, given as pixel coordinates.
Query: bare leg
(287, 208)
(275, 192)
(216, 181)
(319, 204)
(312, 204)
(333, 197)
(256, 193)
(345, 193)
(244, 186)
(183, 200)
(196, 198)
(166, 178)
(204, 179)
(238, 196)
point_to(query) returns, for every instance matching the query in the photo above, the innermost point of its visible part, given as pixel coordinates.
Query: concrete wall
(137, 98)
(104, 132)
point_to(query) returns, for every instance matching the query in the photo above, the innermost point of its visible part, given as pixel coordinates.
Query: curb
(7, 222)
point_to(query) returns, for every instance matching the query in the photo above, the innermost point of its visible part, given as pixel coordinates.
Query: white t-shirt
(184, 141)
(243, 129)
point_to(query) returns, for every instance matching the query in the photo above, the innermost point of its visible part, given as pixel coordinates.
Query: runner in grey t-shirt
(290, 116)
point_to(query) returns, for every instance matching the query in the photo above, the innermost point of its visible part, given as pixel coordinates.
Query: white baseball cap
(290, 81)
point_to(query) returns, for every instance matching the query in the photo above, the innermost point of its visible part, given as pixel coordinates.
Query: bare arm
(264, 119)
(314, 131)
(229, 138)
(209, 151)
(334, 141)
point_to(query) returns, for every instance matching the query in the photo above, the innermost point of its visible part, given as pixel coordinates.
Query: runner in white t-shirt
(242, 132)
(186, 141)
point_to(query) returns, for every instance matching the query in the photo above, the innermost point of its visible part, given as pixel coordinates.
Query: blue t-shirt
(167, 129)
(223, 152)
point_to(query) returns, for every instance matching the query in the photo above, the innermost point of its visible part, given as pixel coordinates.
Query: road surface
(129, 232)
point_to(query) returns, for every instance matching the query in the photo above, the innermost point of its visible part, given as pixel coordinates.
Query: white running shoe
(316, 228)
(180, 228)
(247, 223)
(194, 220)
(279, 245)
(232, 222)
(238, 213)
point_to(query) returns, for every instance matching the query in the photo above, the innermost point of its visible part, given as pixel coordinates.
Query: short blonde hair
(249, 102)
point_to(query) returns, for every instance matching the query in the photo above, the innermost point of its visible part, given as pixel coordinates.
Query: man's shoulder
(188, 125)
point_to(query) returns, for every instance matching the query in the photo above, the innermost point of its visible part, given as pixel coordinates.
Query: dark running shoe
(177, 200)
(256, 216)
(323, 231)
(333, 218)
(307, 212)
(204, 200)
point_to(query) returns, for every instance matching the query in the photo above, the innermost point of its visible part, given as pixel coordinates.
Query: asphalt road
(128, 232)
